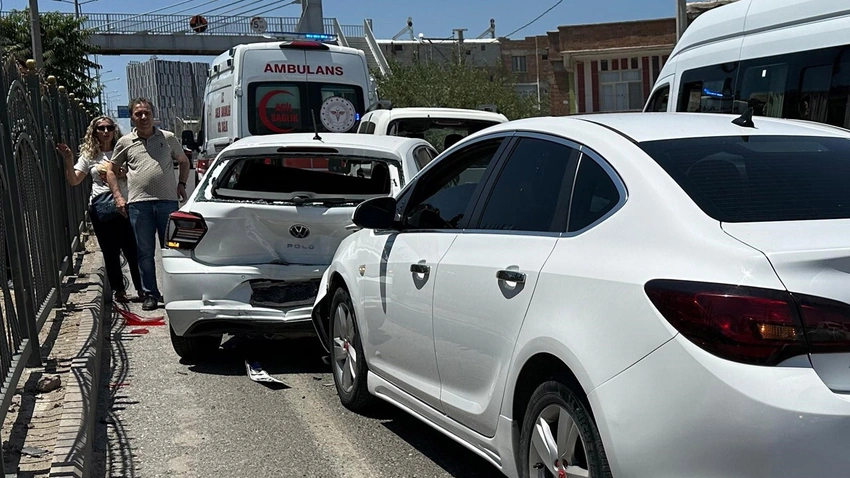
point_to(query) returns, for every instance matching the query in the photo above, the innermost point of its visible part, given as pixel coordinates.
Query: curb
(74, 443)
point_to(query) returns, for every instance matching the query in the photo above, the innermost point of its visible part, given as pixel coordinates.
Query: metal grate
(283, 294)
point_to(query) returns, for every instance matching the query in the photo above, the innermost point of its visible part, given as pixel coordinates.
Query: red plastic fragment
(134, 319)
(140, 331)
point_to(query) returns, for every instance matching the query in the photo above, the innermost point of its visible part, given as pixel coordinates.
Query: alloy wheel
(557, 449)
(344, 353)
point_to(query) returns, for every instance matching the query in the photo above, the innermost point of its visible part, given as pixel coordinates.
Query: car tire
(349, 369)
(194, 348)
(552, 406)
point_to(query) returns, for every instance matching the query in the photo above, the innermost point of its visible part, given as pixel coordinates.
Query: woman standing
(114, 233)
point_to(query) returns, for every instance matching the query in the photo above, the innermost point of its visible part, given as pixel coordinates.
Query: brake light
(185, 230)
(304, 45)
(742, 324)
(201, 166)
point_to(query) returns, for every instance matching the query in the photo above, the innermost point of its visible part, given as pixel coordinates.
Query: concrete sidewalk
(49, 428)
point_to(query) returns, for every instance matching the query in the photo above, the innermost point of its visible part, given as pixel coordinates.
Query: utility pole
(35, 27)
(681, 18)
(460, 49)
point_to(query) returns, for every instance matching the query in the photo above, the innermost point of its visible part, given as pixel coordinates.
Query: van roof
(749, 16)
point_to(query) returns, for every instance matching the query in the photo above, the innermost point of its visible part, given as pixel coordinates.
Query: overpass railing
(215, 25)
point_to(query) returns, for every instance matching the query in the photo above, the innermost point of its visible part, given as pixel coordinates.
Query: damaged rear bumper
(202, 299)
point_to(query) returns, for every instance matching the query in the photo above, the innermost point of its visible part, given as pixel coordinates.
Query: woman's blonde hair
(91, 146)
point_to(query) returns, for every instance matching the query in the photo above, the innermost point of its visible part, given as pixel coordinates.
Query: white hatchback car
(247, 250)
(641, 295)
(442, 127)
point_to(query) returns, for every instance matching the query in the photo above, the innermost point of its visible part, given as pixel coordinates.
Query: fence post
(47, 197)
(63, 223)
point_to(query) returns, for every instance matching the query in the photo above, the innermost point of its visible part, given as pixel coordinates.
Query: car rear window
(760, 178)
(440, 132)
(318, 174)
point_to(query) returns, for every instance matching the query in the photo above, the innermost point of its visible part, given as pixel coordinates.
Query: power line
(148, 13)
(538, 18)
(205, 14)
(253, 11)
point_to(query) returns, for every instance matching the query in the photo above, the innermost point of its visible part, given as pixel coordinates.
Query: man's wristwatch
(181, 183)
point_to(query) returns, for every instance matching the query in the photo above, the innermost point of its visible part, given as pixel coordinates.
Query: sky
(434, 18)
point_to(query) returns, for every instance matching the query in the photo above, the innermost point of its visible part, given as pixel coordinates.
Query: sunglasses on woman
(106, 128)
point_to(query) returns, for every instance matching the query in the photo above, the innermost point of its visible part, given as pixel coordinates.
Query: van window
(709, 89)
(763, 89)
(658, 101)
(812, 85)
(367, 127)
(278, 107)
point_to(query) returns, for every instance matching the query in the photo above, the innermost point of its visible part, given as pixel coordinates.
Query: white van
(783, 58)
(299, 83)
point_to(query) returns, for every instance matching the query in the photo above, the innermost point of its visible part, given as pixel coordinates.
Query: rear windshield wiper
(301, 200)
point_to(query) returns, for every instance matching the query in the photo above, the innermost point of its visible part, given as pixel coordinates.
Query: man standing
(153, 192)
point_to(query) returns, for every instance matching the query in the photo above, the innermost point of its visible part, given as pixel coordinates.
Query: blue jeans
(150, 218)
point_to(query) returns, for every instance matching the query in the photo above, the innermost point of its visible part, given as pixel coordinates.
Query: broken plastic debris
(139, 331)
(134, 319)
(257, 374)
(33, 451)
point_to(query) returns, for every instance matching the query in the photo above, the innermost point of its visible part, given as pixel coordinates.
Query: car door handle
(420, 268)
(511, 276)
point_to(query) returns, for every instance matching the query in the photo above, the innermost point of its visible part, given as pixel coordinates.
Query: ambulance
(296, 83)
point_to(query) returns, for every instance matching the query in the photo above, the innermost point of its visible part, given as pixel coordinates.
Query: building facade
(175, 87)
(592, 68)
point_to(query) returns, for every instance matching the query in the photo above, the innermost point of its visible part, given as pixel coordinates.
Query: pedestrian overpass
(128, 34)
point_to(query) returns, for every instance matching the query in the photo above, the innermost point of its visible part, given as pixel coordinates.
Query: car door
(486, 279)
(398, 283)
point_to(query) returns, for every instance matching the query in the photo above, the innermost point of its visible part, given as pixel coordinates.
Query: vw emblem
(299, 231)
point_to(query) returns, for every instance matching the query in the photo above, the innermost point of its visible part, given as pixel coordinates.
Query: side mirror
(376, 213)
(188, 138)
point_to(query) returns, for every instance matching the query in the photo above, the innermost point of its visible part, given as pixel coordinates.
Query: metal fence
(41, 216)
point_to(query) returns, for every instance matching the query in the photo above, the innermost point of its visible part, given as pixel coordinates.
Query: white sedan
(246, 252)
(641, 295)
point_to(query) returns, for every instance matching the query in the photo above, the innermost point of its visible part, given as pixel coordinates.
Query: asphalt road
(158, 417)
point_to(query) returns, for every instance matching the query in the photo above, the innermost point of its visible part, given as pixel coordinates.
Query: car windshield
(760, 178)
(441, 133)
(306, 178)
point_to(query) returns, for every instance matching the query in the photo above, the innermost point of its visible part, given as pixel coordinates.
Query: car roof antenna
(746, 119)
(315, 126)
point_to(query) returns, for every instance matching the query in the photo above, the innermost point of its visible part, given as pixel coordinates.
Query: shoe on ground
(150, 303)
(121, 297)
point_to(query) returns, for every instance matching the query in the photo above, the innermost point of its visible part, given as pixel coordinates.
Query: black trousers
(114, 237)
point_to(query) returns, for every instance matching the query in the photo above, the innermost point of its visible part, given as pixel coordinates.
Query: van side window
(710, 89)
(763, 89)
(811, 85)
(658, 101)
(366, 127)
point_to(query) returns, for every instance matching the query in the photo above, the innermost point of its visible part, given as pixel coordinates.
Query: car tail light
(201, 166)
(185, 230)
(826, 323)
(743, 324)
